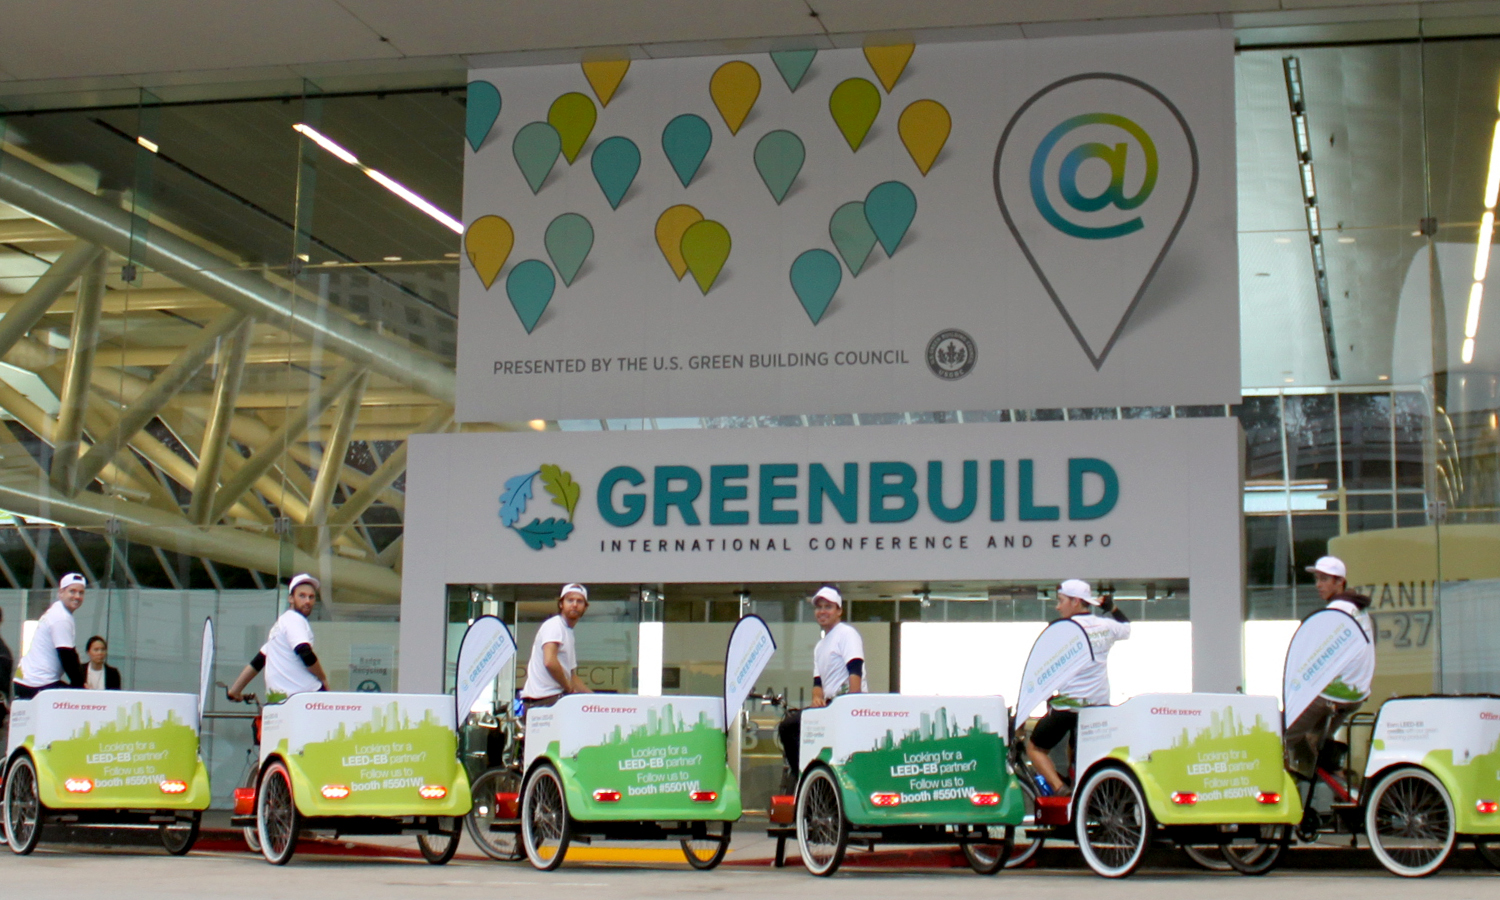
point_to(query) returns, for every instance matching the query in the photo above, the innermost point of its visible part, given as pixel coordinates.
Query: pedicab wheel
(990, 856)
(1025, 846)
(1263, 855)
(23, 806)
(708, 851)
(277, 821)
(1206, 856)
(545, 827)
(439, 848)
(502, 845)
(822, 830)
(1490, 851)
(1409, 821)
(1113, 823)
(178, 839)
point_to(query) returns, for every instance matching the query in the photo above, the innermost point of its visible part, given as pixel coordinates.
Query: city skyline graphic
(664, 724)
(1221, 724)
(935, 726)
(385, 720)
(132, 718)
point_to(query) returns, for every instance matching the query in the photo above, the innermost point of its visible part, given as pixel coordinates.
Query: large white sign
(1037, 223)
(1033, 500)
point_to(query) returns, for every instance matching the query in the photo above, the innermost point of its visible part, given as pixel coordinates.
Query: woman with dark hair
(99, 675)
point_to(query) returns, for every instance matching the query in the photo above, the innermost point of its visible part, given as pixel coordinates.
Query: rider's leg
(790, 734)
(1048, 733)
(1304, 737)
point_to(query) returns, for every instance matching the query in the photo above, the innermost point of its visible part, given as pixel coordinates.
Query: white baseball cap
(71, 579)
(1078, 589)
(1330, 565)
(573, 589)
(304, 578)
(831, 594)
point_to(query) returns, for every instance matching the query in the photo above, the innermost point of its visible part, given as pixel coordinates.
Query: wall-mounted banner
(1029, 500)
(1028, 223)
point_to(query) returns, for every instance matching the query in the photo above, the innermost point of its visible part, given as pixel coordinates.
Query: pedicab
(346, 764)
(108, 760)
(1191, 769)
(631, 768)
(895, 769)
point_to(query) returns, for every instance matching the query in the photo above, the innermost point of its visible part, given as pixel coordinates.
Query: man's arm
(236, 691)
(555, 669)
(856, 669)
(305, 653)
(68, 656)
(817, 698)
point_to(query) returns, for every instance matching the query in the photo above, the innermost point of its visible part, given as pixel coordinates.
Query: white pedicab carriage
(108, 759)
(370, 763)
(618, 767)
(1194, 769)
(887, 768)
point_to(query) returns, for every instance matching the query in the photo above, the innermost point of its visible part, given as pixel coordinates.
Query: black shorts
(1054, 726)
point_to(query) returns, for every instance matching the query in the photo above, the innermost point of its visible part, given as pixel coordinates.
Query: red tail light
(432, 792)
(604, 796)
(1184, 798)
(79, 785)
(1269, 798)
(173, 786)
(335, 791)
(244, 801)
(985, 798)
(704, 796)
(885, 799)
(1487, 806)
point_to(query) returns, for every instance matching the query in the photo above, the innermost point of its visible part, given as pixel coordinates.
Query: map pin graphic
(604, 77)
(481, 109)
(615, 162)
(705, 247)
(573, 115)
(569, 239)
(536, 148)
(669, 228)
(530, 285)
(924, 127)
(815, 279)
(890, 209)
(779, 157)
(734, 88)
(686, 140)
(488, 242)
(793, 65)
(889, 62)
(1096, 199)
(854, 104)
(852, 235)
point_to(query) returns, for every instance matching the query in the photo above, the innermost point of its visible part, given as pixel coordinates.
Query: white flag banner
(750, 649)
(205, 669)
(1060, 650)
(486, 649)
(1321, 645)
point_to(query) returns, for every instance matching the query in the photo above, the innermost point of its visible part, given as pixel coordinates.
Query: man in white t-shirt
(838, 668)
(53, 654)
(1350, 687)
(1104, 625)
(287, 657)
(552, 671)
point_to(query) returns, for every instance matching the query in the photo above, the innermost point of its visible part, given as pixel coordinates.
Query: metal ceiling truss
(190, 489)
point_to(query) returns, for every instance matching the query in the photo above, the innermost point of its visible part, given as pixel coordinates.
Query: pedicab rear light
(704, 796)
(79, 785)
(1269, 798)
(881, 798)
(173, 786)
(1487, 806)
(335, 791)
(605, 796)
(244, 801)
(507, 806)
(984, 798)
(1184, 798)
(432, 792)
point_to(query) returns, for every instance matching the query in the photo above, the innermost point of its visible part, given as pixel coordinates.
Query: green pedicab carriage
(615, 767)
(886, 768)
(108, 759)
(1191, 769)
